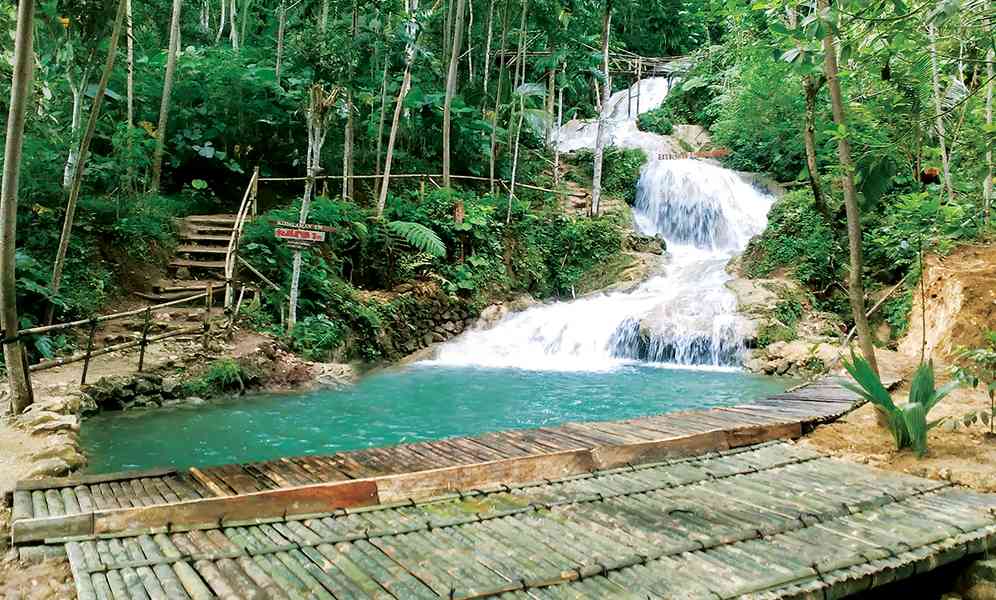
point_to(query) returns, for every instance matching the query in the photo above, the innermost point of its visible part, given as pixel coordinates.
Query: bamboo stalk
(145, 339)
(89, 351)
(111, 317)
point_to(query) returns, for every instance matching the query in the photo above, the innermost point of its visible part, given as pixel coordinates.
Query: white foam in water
(683, 315)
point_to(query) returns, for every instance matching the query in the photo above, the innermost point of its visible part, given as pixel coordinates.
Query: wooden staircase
(199, 262)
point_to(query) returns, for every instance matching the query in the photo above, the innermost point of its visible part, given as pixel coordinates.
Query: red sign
(299, 235)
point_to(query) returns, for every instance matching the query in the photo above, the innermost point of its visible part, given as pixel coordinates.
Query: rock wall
(421, 316)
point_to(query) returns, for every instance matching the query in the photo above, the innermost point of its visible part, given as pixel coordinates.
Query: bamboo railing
(247, 206)
(144, 342)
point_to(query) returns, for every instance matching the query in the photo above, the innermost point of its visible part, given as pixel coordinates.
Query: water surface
(420, 402)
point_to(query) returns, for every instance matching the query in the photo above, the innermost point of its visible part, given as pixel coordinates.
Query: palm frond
(419, 237)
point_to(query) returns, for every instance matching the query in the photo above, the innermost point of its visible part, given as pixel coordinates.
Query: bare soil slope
(961, 303)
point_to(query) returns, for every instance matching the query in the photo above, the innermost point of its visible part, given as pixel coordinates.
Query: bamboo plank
(76, 480)
(23, 506)
(70, 502)
(216, 487)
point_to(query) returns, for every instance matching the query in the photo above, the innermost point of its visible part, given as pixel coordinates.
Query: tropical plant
(978, 369)
(907, 422)
(418, 236)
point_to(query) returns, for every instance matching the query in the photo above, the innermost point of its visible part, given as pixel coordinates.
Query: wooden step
(197, 264)
(206, 237)
(196, 249)
(198, 229)
(189, 286)
(222, 218)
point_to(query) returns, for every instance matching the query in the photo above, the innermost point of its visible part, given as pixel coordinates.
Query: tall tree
(451, 83)
(596, 178)
(174, 48)
(91, 127)
(492, 155)
(348, 136)
(130, 42)
(939, 113)
(411, 31)
(13, 350)
(855, 288)
(987, 186)
(320, 104)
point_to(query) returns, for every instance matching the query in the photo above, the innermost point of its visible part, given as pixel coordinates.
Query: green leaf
(418, 236)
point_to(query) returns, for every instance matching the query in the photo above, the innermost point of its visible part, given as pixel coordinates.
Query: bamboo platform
(767, 521)
(89, 504)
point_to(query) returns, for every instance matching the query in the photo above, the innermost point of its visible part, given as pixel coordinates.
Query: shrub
(316, 337)
(799, 239)
(657, 121)
(978, 370)
(221, 376)
(907, 422)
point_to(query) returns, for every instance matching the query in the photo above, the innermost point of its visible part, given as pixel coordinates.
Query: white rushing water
(683, 314)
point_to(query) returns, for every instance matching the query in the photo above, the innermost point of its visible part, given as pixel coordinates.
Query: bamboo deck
(766, 521)
(54, 508)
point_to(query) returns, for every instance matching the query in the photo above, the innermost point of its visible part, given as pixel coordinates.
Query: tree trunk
(318, 109)
(556, 139)
(487, 49)
(380, 121)
(987, 188)
(91, 126)
(451, 83)
(406, 83)
(75, 122)
(174, 48)
(233, 29)
(347, 150)
(221, 21)
(515, 159)
(494, 114)
(130, 40)
(856, 290)
(411, 28)
(520, 66)
(24, 60)
(323, 24)
(935, 75)
(596, 179)
(812, 88)
(281, 27)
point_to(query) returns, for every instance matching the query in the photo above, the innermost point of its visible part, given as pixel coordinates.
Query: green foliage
(657, 121)
(799, 239)
(418, 236)
(907, 422)
(977, 369)
(222, 376)
(316, 337)
(896, 311)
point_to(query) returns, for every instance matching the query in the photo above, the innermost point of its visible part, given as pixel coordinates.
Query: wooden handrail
(103, 318)
(411, 176)
(248, 202)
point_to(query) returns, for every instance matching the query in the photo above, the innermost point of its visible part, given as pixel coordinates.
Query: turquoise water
(421, 402)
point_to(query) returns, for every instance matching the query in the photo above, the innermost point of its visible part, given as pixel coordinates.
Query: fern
(419, 237)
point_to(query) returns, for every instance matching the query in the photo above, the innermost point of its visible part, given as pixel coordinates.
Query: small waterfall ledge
(683, 315)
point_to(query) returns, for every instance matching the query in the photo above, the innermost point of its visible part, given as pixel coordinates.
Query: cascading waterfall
(684, 314)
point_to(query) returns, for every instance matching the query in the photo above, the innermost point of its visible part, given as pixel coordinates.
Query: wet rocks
(131, 391)
(795, 358)
(650, 244)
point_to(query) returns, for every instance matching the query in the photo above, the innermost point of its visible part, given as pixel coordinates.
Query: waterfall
(683, 315)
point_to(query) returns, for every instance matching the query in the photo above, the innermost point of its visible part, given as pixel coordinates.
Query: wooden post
(254, 192)
(145, 339)
(89, 351)
(639, 77)
(421, 189)
(208, 301)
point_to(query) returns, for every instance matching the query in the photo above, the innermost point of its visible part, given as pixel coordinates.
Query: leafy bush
(316, 337)
(797, 238)
(620, 170)
(978, 370)
(657, 121)
(221, 376)
(907, 422)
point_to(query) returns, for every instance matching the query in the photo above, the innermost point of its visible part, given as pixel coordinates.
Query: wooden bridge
(601, 509)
